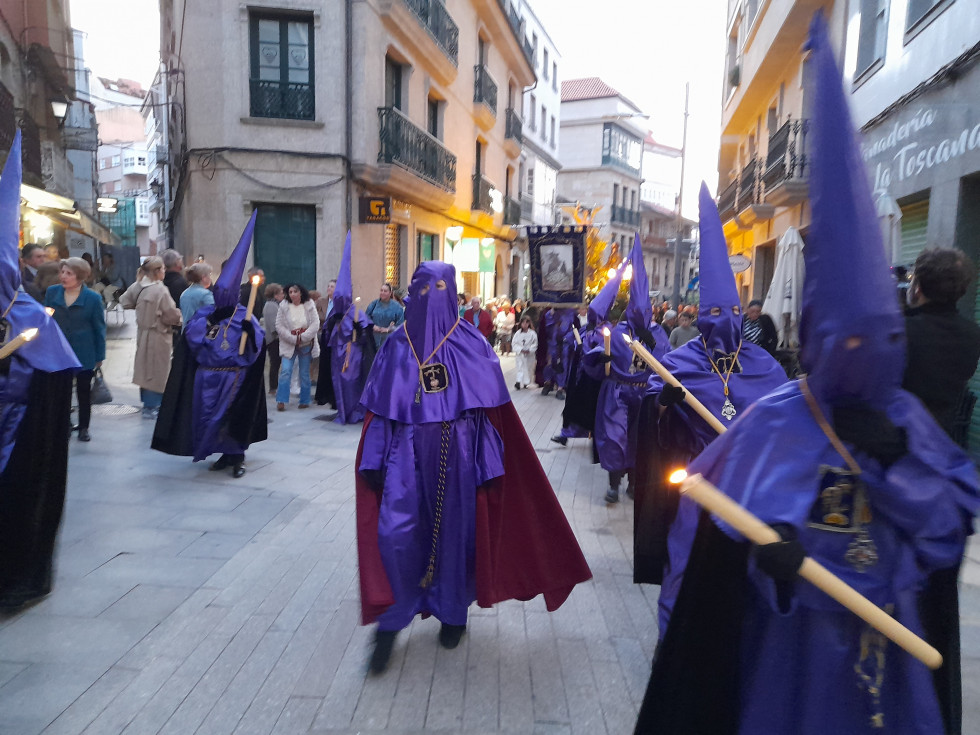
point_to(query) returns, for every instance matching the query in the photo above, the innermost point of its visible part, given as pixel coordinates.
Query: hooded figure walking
(727, 374)
(348, 337)
(35, 406)
(618, 407)
(215, 396)
(850, 470)
(452, 503)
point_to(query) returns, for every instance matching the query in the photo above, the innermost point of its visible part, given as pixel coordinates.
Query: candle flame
(678, 476)
(50, 310)
(29, 334)
(357, 299)
(611, 273)
(628, 340)
(605, 331)
(255, 280)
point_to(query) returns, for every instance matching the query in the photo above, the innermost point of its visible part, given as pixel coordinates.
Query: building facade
(762, 166)
(602, 144)
(658, 233)
(388, 119)
(37, 88)
(914, 71)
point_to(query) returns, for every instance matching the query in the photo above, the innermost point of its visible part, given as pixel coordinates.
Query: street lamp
(59, 108)
(680, 216)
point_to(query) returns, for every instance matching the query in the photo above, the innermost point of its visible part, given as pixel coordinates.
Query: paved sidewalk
(190, 602)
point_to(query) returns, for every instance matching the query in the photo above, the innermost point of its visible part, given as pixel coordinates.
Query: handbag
(100, 391)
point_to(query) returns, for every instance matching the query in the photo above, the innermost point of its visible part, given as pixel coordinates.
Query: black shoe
(221, 464)
(559, 439)
(612, 495)
(84, 436)
(517, 386)
(21, 596)
(384, 641)
(238, 470)
(560, 394)
(449, 635)
(546, 390)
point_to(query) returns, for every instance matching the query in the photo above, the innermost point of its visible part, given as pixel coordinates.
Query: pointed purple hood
(227, 288)
(343, 293)
(852, 334)
(639, 311)
(719, 314)
(604, 300)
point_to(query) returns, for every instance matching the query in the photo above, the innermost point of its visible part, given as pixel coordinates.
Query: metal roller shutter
(915, 219)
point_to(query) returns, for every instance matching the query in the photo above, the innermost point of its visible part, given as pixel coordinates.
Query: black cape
(581, 395)
(32, 489)
(694, 686)
(245, 421)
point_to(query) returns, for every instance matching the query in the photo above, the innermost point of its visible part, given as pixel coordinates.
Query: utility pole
(680, 217)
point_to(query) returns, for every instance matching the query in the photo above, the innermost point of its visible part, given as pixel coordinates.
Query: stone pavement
(190, 602)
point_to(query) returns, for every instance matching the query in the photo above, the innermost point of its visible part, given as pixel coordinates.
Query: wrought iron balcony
(514, 127)
(412, 148)
(512, 211)
(30, 142)
(434, 17)
(518, 26)
(484, 88)
(481, 194)
(726, 201)
(282, 100)
(527, 207)
(625, 217)
(749, 185)
(786, 158)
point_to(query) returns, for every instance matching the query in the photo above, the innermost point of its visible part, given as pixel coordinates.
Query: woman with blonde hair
(79, 312)
(197, 293)
(156, 313)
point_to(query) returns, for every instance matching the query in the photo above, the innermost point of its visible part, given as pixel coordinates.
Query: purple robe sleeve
(489, 452)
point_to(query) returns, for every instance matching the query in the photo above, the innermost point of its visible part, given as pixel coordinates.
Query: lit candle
(13, 345)
(664, 373)
(606, 341)
(50, 310)
(755, 530)
(578, 337)
(248, 311)
(356, 301)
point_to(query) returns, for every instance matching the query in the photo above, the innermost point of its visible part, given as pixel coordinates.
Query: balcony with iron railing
(726, 201)
(484, 97)
(785, 174)
(527, 207)
(481, 194)
(30, 142)
(748, 186)
(434, 17)
(515, 126)
(512, 211)
(281, 100)
(624, 217)
(406, 145)
(518, 27)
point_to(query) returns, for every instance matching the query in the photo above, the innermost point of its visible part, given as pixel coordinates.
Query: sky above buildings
(646, 49)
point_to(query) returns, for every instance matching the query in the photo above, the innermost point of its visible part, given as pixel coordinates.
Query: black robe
(32, 490)
(245, 421)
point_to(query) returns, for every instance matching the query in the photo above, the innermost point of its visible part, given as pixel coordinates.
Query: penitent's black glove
(219, 315)
(249, 329)
(871, 431)
(781, 560)
(604, 358)
(647, 338)
(670, 395)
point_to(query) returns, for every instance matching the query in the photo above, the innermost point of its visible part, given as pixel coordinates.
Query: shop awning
(65, 212)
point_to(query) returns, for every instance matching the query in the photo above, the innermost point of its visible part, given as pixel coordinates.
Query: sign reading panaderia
(928, 138)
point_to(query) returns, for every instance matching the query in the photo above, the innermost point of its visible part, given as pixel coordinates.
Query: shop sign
(739, 262)
(374, 210)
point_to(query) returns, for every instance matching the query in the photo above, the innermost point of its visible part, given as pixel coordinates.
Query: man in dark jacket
(937, 334)
(173, 279)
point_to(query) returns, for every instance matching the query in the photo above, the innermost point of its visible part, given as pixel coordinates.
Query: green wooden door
(285, 243)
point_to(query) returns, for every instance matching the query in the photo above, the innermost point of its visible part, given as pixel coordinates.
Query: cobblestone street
(190, 602)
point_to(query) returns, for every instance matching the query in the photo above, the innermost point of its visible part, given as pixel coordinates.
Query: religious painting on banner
(557, 256)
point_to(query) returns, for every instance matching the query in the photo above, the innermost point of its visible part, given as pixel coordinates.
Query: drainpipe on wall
(349, 115)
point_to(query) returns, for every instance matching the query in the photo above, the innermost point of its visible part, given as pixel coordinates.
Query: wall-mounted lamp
(59, 109)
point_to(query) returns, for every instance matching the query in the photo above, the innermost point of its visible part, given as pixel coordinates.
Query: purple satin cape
(346, 356)
(921, 508)
(219, 375)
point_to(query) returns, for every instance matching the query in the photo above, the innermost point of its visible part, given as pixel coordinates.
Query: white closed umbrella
(890, 219)
(784, 301)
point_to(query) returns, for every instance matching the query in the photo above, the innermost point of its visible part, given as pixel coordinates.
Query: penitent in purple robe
(618, 410)
(414, 433)
(348, 348)
(559, 325)
(220, 374)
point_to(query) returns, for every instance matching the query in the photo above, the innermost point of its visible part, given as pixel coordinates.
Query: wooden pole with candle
(606, 342)
(638, 349)
(248, 311)
(13, 345)
(714, 501)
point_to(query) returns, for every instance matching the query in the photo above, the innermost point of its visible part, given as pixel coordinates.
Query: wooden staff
(664, 373)
(249, 310)
(714, 501)
(13, 345)
(578, 337)
(606, 344)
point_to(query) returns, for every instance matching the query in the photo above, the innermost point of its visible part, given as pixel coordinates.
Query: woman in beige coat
(156, 314)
